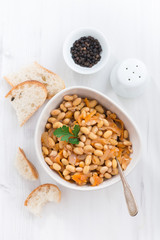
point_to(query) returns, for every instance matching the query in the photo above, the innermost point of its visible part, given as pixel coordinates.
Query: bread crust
(28, 82)
(55, 75)
(39, 188)
(32, 167)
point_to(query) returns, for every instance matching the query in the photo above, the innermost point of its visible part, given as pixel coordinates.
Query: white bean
(78, 150)
(70, 168)
(92, 136)
(48, 160)
(88, 160)
(98, 153)
(66, 172)
(83, 138)
(86, 169)
(56, 166)
(107, 134)
(68, 98)
(61, 116)
(84, 130)
(103, 169)
(98, 146)
(105, 123)
(57, 125)
(77, 101)
(88, 148)
(55, 112)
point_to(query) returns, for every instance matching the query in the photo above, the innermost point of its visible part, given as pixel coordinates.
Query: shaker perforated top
(129, 78)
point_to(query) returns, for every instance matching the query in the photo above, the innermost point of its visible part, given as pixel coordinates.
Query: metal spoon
(131, 203)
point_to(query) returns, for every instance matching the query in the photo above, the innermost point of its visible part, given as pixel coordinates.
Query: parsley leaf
(61, 131)
(73, 140)
(67, 135)
(76, 130)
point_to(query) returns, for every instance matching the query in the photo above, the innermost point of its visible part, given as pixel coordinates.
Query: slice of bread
(25, 167)
(26, 98)
(40, 196)
(35, 71)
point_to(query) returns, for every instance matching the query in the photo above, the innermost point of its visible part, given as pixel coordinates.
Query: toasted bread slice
(25, 167)
(35, 71)
(26, 98)
(40, 196)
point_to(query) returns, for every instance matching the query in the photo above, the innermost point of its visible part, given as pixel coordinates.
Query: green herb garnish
(67, 134)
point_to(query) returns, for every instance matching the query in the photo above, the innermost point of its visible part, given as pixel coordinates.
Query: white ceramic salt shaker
(129, 78)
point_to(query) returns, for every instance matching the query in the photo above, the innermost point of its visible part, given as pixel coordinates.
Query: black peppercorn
(86, 51)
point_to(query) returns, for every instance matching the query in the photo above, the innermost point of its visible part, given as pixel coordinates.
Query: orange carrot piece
(70, 130)
(90, 115)
(79, 120)
(97, 180)
(58, 157)
(86, 102)
(80, 178)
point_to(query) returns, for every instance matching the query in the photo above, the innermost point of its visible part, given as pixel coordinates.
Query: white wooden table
(35, 30)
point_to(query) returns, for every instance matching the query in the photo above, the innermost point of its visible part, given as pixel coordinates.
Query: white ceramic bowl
(107, 103)
(75, 35)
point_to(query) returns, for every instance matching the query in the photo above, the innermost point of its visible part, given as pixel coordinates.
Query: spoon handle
(131, 203)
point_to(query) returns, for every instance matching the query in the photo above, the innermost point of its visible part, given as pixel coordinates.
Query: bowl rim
(71, 185)
(88, 70)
